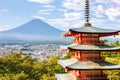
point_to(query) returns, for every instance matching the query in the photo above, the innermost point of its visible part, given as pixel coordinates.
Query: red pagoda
(87, 64)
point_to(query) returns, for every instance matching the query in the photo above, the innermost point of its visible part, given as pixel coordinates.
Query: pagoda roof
(88, 65)
(93, 47)
(85, 47)
(90, 29)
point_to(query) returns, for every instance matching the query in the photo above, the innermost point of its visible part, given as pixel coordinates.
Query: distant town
(39, 51)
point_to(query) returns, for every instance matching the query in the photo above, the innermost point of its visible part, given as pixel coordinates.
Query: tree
(113, 57)
(69, 54)
(15, 66)
(21, 76)
(48, 77)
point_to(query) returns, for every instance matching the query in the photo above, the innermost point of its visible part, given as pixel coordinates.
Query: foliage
(116, 43)
(69, 54)
(48, 77)
(113, 57)
(15, 66)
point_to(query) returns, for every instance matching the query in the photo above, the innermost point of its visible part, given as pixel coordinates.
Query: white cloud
(102, 23)
(44, 12)
(98, 10)
(49, 6)
(73, 15)
(70, 20)
(113, 14)
(102, 1)
(38, 17)
(65, 24)
(108, 1)
(42, 1)
(4, 10)
(98, 22)
(47, 9)
(73, 4)
(62, 10)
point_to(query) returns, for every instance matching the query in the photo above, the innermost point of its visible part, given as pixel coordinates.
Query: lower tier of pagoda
(85, 69)
(69, 76)
(74, 64)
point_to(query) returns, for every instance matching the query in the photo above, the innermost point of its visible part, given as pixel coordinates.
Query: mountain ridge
(28, 27)
(33, 30)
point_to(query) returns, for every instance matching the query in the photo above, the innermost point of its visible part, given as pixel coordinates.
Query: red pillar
(79, 54)
(76, 53)
(81, 37)
(78, 73)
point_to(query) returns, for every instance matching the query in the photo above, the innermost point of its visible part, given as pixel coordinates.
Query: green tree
(69, 54)
(15, 66)
(48, 77)
(21, 76)
(113, 57)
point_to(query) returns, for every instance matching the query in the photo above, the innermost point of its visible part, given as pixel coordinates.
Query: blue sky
(62, 14)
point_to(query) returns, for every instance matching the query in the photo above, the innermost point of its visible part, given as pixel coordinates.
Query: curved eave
(93, 68)
(65, 63)
(94, 30)
(94, 47)
(66, 35)
(72, 64)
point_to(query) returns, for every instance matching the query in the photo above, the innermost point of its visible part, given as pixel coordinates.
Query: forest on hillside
(15, 66)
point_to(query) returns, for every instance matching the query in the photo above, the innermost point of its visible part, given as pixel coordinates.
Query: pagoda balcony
(88, 58)
(99, 42)
(94, 76)
(89, 76)
(91, 58)
(79, 74)
(93, 42)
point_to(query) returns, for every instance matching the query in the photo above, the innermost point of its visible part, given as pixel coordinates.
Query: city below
(39, 51)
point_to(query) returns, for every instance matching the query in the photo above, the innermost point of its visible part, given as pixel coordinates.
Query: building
(87, 64)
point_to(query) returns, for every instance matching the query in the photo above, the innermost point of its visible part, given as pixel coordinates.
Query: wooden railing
(93, 76)
(88, 58)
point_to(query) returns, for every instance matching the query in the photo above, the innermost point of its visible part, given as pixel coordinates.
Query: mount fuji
(33, 31)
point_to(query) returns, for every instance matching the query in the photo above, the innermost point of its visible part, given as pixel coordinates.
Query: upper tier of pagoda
(87, 28)
(91, 30)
